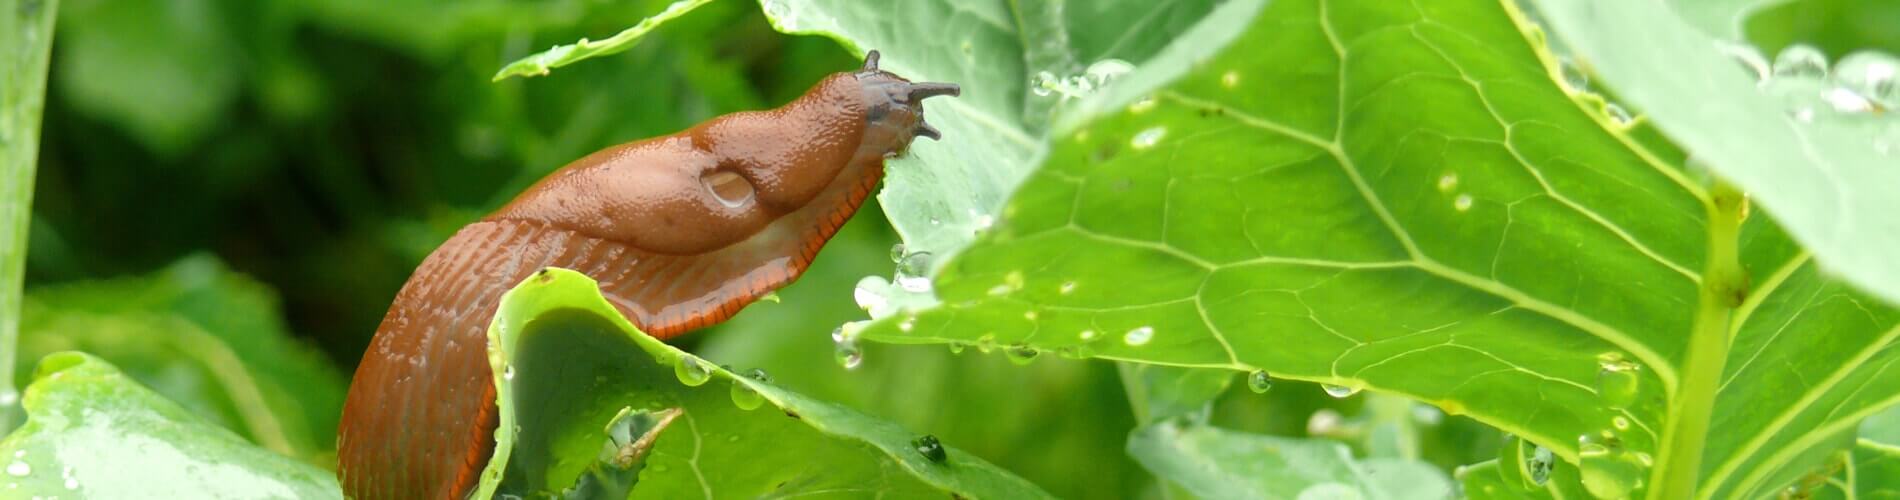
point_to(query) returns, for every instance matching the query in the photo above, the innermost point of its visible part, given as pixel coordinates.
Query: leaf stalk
(1724, 287)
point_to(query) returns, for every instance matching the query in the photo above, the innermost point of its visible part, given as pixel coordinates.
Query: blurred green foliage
(324, 147)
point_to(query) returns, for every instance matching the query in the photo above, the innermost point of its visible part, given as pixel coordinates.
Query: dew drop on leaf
(1339, 391)
(1447, 182)
(1800, 61)
(1873, 74)
(1259, 382)
(985, 343)
(1539, 464)
(1139, 336)
(956, 347)
(1044, 83)
(1574, 77)
(867, 297)
(1749, 57)
(928, 446)
(19, 469)
(1618, 380)
(759, 375)
(1148, 138)
(848, 355)
(897, 253)
(1021, 353)
(913, 272)
(1621, 117)
(1462, 203)
(744, 397)
(508, 372)
(691, 371)
(1107, 70)
(1607, 469)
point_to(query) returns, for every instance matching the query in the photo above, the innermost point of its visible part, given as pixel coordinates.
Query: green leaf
(125, 61)
(1404, 198)
(567, 364)
(26, 40)
(562, 55)
(93, 432)
(952, 396)
(204, 337)
(1214, 463)
(1822, 173)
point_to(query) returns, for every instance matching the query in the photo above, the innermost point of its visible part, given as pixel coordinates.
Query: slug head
(730, 179)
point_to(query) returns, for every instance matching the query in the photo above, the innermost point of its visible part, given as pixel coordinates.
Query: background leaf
(206, 338)
(565, 363)
(1215, 463)
(91, 431)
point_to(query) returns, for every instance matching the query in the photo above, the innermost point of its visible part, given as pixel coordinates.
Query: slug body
(681, 231)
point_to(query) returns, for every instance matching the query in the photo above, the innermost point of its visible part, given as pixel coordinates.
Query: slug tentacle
(680, 231)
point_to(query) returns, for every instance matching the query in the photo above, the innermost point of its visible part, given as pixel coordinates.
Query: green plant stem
(26, 37)
(1724, 286)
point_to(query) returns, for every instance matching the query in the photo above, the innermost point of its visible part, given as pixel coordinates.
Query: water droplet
(928, 446)
(731, 189)
(759, 375)
(1539, 464)
(1259, 382)
(1608, 470)
(19, 469)
(1230, 79)
(868, 296)
(1621, 423)
(1800, 61)
(1029, 315)
(1066, 288)
(1107, 70)
(1873, 74)
(1462, 203)
(1021, 353)
(1574, 77)
(1142, 105)
(1426, 414)
(1339, 391)
(691, 371)
(508, 372)
(907, 324)
(1088, 335)
(744, 397)
(985, 343)
(913, 272)
(897, 253)
(1618, 381)
(1324, 422)
(1619, 116)
(1847, 101)
(848, 355)
(1447, 182)
(1748, 56)
(957, 347)
(837, 334)
(1044, 83)
(1138, 336)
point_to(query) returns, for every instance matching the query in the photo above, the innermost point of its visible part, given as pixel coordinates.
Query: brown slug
(681, 231)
